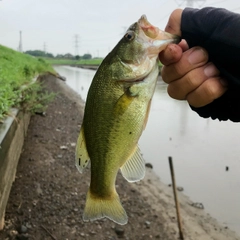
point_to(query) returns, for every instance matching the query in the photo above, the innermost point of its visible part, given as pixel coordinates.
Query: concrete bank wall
(12, 134)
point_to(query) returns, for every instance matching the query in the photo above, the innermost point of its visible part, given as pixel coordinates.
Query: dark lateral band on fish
(116, 113)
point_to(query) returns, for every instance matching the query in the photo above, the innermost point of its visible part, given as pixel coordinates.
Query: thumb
(174, 22)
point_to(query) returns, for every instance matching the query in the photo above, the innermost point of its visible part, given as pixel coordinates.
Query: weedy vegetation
(17, 88)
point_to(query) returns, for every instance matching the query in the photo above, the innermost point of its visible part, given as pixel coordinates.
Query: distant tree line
(39, 53)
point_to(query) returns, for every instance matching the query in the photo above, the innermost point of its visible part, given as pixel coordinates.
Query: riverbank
(17, 71)
(48, 195)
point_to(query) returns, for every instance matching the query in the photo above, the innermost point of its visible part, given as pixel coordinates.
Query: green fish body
(116, 113)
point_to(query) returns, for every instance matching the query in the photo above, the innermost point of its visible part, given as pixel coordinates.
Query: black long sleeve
(218, 31)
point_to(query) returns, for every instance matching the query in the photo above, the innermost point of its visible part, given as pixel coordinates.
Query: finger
(171, 54)
(182, 87)
(193, 58)
(174, 22)
(184, 45)
(208, 91)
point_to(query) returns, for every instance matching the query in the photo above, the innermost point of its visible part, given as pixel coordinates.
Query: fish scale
(116, 113)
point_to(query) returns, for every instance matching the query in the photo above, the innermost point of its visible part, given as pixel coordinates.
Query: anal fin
(81, 155)
(133, 169)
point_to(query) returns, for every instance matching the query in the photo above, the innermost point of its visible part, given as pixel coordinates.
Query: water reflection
(201, 150)
(77, 78)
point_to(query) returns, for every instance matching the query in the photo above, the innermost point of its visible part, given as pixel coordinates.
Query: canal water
(206, 153)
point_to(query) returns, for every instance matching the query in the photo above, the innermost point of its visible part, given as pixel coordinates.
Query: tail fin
(97, 208)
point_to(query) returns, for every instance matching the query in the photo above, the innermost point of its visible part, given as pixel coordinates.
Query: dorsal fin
(133, 169)
(81, 156)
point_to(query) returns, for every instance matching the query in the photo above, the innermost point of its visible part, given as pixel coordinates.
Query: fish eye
(129, 36)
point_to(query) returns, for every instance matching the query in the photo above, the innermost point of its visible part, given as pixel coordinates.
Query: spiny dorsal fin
(81, 156)
(134, 168)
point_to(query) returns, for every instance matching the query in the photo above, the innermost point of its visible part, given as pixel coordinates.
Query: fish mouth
(156, 36)
(152, 41)
(149, 30)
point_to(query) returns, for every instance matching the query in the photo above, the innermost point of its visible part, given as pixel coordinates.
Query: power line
(217, 2)
(235, 9)
(180, 3)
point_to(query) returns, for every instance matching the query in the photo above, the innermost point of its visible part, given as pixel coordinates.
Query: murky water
(202, 150)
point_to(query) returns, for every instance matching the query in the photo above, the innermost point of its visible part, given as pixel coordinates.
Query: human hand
(187, 71)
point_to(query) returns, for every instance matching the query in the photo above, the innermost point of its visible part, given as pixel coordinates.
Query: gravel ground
(48, 195)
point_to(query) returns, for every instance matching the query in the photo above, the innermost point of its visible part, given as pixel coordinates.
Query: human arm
(215, 30)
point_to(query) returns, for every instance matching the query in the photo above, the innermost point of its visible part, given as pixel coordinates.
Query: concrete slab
(12, 134)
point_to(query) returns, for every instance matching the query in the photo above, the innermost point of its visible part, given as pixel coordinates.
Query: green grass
(16, 73)
(55, 61)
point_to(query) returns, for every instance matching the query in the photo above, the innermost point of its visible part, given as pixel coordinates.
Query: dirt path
(48, 195)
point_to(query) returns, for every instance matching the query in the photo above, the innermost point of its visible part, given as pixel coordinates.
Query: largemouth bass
(116, 113)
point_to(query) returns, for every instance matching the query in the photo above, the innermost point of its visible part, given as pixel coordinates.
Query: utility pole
(45, 47)
(20, 49)
(76, 44)
(190, 3)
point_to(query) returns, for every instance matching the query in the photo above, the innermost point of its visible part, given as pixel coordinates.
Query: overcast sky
(98, 24)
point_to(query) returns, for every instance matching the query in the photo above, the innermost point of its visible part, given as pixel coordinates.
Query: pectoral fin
(130, 93)
(81, 156)
(134, 169)
(122, 104)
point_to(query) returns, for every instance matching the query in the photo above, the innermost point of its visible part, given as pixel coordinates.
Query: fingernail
(197, 56)
(210, 70)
